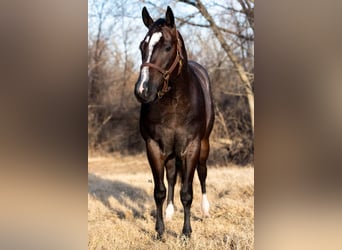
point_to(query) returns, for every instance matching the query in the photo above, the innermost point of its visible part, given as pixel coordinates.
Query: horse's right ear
(169, 17)
(148, 21)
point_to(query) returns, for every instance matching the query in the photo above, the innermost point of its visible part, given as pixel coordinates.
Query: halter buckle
(166, 75)
(180, 65)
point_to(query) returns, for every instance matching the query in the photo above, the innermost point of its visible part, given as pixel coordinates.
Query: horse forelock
(158, 23)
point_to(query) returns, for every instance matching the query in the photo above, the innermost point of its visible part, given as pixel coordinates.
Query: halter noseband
(166, 73)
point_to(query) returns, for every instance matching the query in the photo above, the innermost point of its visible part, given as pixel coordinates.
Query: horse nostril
(141, 90)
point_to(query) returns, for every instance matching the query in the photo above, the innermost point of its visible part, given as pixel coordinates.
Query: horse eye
(168, 48)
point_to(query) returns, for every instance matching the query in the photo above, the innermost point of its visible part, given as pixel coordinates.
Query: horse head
(162, 56)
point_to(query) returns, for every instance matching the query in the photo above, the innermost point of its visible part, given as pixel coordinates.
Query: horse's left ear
(170, 19)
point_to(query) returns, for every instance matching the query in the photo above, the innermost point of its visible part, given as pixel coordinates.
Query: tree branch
(189, 2)
(248, 11)
(247, 38)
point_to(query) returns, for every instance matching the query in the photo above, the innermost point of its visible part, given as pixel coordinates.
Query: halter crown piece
(166, 73)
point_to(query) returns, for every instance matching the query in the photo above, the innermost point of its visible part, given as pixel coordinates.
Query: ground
(121, 208)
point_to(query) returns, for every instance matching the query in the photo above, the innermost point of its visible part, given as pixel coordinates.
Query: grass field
(121, 208)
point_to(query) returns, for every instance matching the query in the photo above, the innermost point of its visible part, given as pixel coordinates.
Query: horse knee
(186, 197)
(160, 193)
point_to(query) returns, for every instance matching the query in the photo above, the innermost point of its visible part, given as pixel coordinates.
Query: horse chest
(173, 129)
(173, 118)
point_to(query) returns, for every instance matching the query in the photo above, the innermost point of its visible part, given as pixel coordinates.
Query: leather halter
(166, 73)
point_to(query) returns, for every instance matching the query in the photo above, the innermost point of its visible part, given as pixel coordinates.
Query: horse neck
(184, 60)
(179, 82)
(183, 50)
(180, 85)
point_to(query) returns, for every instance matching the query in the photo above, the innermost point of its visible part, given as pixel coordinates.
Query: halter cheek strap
(166, 73)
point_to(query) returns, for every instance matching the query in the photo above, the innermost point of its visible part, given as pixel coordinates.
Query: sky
(126, 16)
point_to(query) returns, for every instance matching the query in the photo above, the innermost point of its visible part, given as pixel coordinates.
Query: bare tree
(97, 58)
(111, 73)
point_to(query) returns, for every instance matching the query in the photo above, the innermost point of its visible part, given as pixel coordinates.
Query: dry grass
(121, 208)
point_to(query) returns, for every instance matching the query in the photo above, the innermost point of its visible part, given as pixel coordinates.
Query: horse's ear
(148, 21)
(170, 19)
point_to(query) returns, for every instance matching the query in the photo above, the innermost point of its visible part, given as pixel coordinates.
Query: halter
(166, 73)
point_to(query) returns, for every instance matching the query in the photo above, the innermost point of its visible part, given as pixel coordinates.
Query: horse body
(176, 126)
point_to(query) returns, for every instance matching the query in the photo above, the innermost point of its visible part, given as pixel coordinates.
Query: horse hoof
(160, 228)
(159, 236)
(187, 232)
(186, 235)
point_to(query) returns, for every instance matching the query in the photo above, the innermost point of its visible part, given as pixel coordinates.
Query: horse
(176, 116)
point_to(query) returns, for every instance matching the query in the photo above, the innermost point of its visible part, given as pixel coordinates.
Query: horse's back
(203, 77)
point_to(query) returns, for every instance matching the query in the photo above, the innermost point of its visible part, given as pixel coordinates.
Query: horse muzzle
(143, 93)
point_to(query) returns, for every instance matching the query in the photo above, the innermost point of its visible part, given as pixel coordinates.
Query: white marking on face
(205, 205)
(144, 78)
(169, 211)
(144, 71)
(154, 40)
(147, 39)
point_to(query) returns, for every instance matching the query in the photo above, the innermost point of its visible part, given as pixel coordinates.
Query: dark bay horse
(176, 116)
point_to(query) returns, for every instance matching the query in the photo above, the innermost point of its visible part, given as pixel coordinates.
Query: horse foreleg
(171, 173)
(189, 163)
(156, 160)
